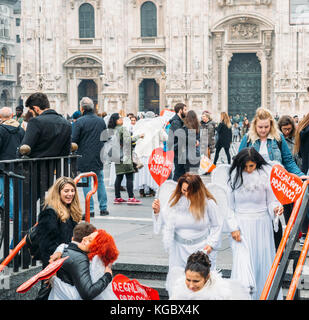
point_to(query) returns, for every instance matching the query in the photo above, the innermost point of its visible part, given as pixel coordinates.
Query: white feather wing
(165, 191)
(220, 175)
(219, 193)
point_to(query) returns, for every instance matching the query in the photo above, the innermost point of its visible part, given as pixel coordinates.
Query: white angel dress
(182, 234)
(251, 210)
(216, 288)
(64, 291)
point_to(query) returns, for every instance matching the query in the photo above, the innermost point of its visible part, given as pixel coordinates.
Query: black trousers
(227, 152)
(129, 177)
(179, 170)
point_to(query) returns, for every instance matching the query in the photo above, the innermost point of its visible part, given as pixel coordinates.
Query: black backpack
(32, 243)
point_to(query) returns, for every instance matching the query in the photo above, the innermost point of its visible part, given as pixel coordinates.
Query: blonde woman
(190, 221)
(61, 213)
(224, 131)
(266, 138)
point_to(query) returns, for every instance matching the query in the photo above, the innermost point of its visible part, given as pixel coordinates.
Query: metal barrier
(288, 241)
(40, 174)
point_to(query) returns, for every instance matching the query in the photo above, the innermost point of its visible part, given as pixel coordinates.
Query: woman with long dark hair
(190, 221)
(253, 206)
(192, 130)
(124, 167)
(224, 131)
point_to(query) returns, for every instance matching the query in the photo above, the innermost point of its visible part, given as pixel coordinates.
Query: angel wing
(220, 175)
(165, 191)
(219, 193)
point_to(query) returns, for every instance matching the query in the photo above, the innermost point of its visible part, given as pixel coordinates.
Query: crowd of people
(191, 221)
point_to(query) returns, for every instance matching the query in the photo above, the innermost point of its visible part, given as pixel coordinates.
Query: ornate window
(148, 19)
(86, 21)
(3, 61)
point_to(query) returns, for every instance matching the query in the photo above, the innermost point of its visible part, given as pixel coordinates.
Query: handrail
(283, 242)
(14, 252)
(299, 268)
(90, 193)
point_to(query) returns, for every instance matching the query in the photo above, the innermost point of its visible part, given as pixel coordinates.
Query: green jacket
(126, 164)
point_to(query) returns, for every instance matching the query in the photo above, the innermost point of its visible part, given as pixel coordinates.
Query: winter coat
(304, 149)
(210, 126)
(224, 136)
(75, 271)
(126, 162)
(11, 135)
(52, 232)
(48, 135)
(175, 124)
(87, 131)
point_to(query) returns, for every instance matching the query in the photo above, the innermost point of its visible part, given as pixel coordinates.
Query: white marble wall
(190, 54)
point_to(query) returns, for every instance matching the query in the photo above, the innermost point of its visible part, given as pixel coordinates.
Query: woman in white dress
(253, 208)
(190, 221)
(198, 282)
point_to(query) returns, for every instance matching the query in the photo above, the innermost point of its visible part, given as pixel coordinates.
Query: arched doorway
(149, 96)
(244, 84)
(88, 88)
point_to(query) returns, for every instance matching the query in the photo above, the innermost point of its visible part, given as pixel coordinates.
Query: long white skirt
(143, 178)
(257, 230)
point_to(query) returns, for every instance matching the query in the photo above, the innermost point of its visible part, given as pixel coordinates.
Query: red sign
(286, 186)
(160, 165)
(126, 289)
(46, 273)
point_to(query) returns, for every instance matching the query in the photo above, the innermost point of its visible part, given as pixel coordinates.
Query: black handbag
(32, 243)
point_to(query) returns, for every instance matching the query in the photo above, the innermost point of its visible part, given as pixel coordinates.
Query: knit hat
(76, 115)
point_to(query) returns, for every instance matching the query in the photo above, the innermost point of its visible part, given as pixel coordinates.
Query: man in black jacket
(48, 134)
(176, 140)
(75, 270)
(87, 131)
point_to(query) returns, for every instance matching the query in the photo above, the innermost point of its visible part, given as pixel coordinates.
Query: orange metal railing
(90, 193)
(283, 242)
(14, 252)
(298, 269)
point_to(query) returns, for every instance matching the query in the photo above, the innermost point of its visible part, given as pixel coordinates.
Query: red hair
(104, 246)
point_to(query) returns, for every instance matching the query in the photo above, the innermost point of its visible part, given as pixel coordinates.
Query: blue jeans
(12, 203)
(101, 192)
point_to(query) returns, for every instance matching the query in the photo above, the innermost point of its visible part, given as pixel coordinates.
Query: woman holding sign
(253, 206)
(189, 221)
(265, 137)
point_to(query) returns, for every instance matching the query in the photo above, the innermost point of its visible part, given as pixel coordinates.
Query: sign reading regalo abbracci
(299, 12)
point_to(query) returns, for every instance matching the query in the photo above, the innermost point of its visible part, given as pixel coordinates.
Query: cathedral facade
(139, 55)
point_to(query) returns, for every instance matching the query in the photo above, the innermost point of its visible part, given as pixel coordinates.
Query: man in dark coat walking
(87, 131)
(176, 140)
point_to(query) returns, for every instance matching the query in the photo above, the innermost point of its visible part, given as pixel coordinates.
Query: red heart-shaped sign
(160, 165)
(286, 186)
(126, 289)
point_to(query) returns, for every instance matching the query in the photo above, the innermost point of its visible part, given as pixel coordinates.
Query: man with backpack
(11, 135)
